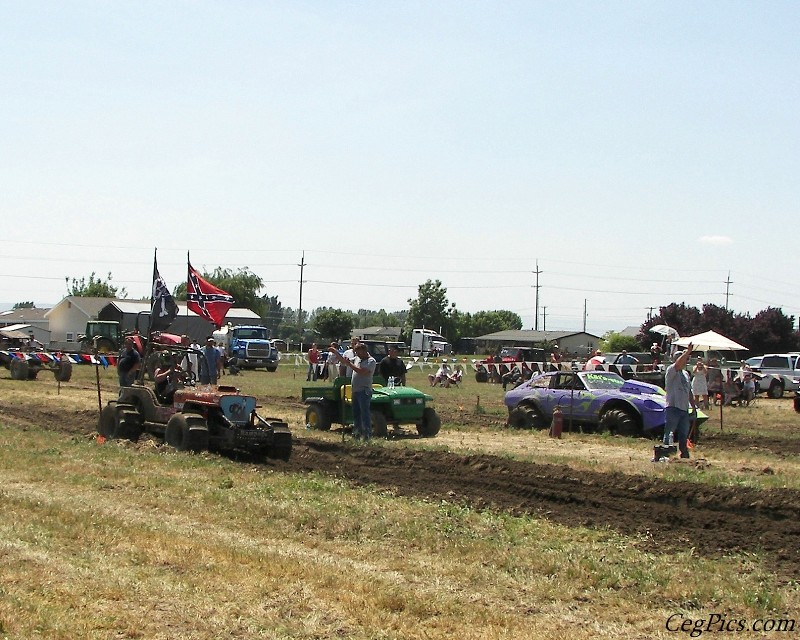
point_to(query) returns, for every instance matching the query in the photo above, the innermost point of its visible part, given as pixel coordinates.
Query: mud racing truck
(390, 405)
(190, 417)
(247, 347)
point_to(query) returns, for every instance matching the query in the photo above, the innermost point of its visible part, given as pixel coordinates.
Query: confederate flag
(206, 300)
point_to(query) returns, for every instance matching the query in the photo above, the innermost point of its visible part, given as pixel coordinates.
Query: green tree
(95, 288)
(333, 324)
(615, 342)
(272, 314)
(480, 323)
(24, 305)
(431, 309)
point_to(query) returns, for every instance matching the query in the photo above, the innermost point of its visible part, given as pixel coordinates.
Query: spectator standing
(700, 384)
(128, 363)
(333, 361)
(597, 360)
(349, 354)
(209, 374)
(363, 368)
(627, 361)
(655, 354)
(313, 359)
(679, 401)
(393, 367)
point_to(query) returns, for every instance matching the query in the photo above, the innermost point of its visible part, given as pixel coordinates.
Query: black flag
(164, 310)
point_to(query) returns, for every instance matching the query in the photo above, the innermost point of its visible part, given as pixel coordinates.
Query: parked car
(781, 372)
(596, 400)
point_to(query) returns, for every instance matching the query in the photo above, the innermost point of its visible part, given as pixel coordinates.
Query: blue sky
(639, 151)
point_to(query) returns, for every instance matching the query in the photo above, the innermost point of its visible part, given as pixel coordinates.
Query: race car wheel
(316, 418)
(126, 423)
(187, 432)
(431, 423)
(107, 423)
(619, 422)
(526, 417)
(775, 390)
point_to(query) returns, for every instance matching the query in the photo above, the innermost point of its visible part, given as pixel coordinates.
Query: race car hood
(638, 387)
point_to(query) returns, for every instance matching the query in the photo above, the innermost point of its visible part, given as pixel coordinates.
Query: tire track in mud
(663, 515)
(671, 515)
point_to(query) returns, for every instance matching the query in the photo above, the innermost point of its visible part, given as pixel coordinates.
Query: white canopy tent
(709, 341)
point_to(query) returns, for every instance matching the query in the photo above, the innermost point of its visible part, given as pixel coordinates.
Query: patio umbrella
(709, 341)
(664, 330)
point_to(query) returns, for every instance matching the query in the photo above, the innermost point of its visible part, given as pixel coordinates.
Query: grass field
(123, 541)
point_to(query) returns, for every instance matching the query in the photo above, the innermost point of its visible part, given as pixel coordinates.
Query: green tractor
(390, 405)
(105, 336)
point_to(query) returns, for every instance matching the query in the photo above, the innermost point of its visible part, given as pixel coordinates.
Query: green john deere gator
(394, 406)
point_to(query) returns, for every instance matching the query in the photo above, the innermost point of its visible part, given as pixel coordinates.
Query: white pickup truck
(781, 372)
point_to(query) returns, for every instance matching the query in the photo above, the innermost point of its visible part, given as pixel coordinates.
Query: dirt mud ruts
(664, 516)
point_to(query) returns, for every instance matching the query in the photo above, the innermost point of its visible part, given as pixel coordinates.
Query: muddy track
(662, 516)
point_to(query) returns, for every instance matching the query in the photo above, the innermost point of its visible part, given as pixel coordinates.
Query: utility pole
(300, 310)
(584, 315)
(544, 318)
(536, 319)
(649, 312)
(728, 284)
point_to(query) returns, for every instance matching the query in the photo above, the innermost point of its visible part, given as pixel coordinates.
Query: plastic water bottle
(391, 382)
(671, 439)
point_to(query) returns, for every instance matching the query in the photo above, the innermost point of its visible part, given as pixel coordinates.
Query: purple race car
(596, 400)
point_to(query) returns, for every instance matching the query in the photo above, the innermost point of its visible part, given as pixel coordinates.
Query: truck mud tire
(126, 423)
(63, 371)
(619, 422)
(19, 369)
(379, 426)
(281, 448)
(526, 417)
(776, 390)
(430, 424)
(107, 424)
(272, 368)
(316, 418)
(481, 375)
(187, 432)
(797, 403)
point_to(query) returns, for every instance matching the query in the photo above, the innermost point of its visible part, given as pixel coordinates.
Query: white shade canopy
(709, 341)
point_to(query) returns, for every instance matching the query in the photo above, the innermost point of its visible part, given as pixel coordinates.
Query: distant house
(571, 342)
(27, 321)
(68, 318)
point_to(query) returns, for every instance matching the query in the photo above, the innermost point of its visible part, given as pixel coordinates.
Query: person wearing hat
(210, 368)
(166, 377)
(680, 401)
(128, 363)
